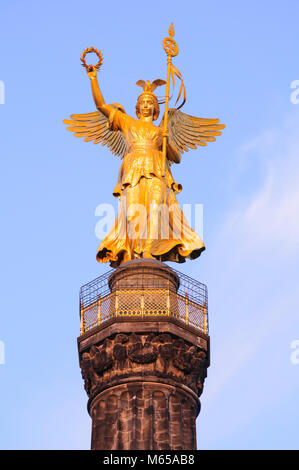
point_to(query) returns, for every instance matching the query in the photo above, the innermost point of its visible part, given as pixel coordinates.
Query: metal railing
(189, 304)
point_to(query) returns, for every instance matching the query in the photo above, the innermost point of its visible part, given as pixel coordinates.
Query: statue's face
(147, 108)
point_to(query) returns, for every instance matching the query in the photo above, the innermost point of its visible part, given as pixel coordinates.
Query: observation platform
(144, 289)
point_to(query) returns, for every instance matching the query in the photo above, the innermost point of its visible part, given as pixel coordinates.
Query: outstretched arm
(108, 110)
(96, 92)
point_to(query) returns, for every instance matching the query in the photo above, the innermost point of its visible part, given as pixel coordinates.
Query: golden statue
(150, 222)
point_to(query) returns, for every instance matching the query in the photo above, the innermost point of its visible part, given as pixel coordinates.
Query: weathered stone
(143, 378)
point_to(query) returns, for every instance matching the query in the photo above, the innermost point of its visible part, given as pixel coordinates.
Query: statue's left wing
(186, 132)
(95, 126)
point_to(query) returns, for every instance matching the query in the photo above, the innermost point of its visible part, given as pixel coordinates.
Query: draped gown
(150, 222)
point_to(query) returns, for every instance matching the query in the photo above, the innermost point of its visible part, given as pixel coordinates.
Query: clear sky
(238, 60)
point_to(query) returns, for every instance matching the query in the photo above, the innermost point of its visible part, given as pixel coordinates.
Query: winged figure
(150, 222)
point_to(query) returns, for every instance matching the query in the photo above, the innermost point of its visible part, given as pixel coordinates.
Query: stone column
(144, 374)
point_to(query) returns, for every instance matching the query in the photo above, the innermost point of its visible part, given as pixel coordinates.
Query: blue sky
(238, 61)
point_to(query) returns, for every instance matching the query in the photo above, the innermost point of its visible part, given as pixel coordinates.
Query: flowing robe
(150, 222)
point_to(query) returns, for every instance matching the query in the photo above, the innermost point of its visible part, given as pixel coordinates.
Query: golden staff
(171, 49)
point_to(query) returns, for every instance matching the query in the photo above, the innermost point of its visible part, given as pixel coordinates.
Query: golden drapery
(150, 222)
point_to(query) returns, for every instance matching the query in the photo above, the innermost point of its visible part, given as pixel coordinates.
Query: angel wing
(95, 126)
(186, 132)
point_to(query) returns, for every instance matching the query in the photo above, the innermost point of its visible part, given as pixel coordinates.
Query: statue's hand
(91, 71)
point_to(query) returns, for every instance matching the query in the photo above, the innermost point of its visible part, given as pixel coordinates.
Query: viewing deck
(143, 295)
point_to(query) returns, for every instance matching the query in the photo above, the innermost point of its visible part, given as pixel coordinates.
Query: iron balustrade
(101, 301)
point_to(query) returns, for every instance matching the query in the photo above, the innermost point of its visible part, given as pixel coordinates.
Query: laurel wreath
(87, 51)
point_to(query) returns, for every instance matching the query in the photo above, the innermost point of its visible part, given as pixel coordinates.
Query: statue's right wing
(95, 126)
